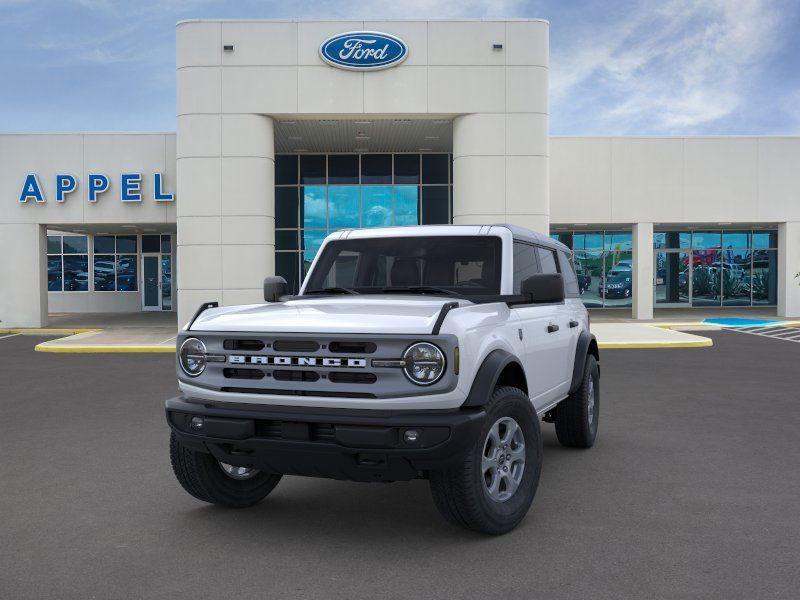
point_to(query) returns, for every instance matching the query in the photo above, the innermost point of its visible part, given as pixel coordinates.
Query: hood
(337, 314)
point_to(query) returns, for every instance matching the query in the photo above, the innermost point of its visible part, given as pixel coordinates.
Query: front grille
(286, 375)
(352, 377)
(245, 345)
(351, 347)
(291, 430)
(295, 346)
(279, 392)
(243, 373)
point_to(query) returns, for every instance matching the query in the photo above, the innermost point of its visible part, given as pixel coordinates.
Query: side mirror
(544, 288)
(274, 288)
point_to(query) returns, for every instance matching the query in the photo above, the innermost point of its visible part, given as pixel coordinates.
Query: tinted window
(126, 243)
(525, 264)
(54, 244)
(286, 169)
(570, 279)
(435, 205)
(547, 260)
(467, 265)
(104, 244)
(406, 168)
(312, 168)
(434, 168)
(343, 168)
(75, 244)
(286, 207)
(150, 243)
(376, 168)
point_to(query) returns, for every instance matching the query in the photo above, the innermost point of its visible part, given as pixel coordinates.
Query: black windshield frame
(430, 262)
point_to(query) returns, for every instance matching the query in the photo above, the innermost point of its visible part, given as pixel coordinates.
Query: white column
(788, 266)
(23, 271)
(226, 223)
(642, 271)
(501, 170)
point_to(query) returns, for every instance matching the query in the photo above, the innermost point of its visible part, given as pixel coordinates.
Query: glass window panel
(589, 241)
(706, 239)
(343, 168)
(735, 277)
(104, 244)
(434, 168)
(286, 239)
(126, 244)
(150, 243)
(565, 237)
(166, 282)
(706, 277)
(765, 277)
(672, 277)
(765, 239)
(313, 207)
(435, 205)
(376, 168)
(54, 280)
(126, 273)
(589, 268)
(376, 206)
(343, 206)
(672, 239)
(308, 258)
(736, 239)
(568, 272)
(312, 168)
(547, 260)
(104, 272)
(406, 168)
(286, 207)
(285, 169)
(166, 244)
(406, 205)
(312, 240)
(617, 285)
(76, 273)
(286, 265)
(525, 264)
(75, 244)
(54, 244)
(618, 241)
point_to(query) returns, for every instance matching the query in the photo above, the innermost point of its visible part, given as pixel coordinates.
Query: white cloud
(669, 69)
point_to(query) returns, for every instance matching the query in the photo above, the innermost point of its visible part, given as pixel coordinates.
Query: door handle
(552, 328)
(573, 324)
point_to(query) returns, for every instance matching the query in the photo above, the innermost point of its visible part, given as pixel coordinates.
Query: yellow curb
(44, 347)
(704, 343)
(46, 331)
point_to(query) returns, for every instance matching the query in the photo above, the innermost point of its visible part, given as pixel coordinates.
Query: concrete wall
(227, 100)
(23, 295)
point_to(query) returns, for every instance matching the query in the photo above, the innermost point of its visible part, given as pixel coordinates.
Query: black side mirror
(274, 288)
(544, 288)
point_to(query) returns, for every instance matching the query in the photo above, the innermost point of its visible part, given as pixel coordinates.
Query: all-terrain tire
(576, 417)
(201, 475)
(460, 492)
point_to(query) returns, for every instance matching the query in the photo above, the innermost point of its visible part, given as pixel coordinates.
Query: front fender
(487, 375)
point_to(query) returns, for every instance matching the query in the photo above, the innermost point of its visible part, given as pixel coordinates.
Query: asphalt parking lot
(692, 491)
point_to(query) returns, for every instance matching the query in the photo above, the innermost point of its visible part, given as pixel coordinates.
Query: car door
(544, 333)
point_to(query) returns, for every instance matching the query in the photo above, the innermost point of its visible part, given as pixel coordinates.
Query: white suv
(414, 352)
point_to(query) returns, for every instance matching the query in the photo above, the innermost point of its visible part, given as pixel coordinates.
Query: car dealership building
(290, 130)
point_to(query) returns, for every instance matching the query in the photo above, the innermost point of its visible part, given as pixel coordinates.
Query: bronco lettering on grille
(298, 361)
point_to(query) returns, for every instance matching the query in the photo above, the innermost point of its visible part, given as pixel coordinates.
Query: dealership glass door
(157, 268)
(151, 275)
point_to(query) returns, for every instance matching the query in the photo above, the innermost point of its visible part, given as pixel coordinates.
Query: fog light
(196, 423)
(411, 436)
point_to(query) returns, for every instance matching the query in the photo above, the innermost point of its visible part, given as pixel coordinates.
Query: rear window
(468, 265)
(568, 272)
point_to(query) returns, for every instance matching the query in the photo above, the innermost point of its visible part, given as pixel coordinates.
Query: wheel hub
(240, 473)
(503, 459)
(590, 400)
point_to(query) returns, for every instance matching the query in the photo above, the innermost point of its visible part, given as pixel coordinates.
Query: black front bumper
(357, 445)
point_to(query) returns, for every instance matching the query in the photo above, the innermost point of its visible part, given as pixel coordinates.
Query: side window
(570, 279)
(525, 264)
(547, 258)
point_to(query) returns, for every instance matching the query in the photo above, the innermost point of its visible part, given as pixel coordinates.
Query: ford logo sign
(363, 50)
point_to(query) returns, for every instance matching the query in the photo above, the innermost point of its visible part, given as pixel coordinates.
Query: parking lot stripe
(2, 337)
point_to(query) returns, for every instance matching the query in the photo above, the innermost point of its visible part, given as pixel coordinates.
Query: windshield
(463, 265)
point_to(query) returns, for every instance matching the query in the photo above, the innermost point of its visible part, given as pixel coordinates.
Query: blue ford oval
(363, 50)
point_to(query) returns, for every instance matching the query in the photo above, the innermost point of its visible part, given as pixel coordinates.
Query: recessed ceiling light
(432, 137)
(301, 149)
(329, 121)
(441, 121)
(402, 121)
(361, 136)
(288, 122)
(361, 149)
(128, 226)
(295, 137)
(149, 230)
(363, 122)
(426, 149)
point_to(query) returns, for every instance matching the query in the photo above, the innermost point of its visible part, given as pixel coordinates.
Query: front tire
(490, 489)
(576, 417)
(209, 480)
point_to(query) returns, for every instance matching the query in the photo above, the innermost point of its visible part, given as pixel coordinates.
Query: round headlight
(424, 363)
(192, 357)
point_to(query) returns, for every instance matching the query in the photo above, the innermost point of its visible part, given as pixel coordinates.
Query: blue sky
(617, 68)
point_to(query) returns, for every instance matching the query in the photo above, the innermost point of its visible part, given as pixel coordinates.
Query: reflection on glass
(343, 206)
(54, 279)
(735, 277)
(166, 282)
(765, 239)
(765, 277)
(54, 244)
(286, 265)
(672, 239)
(126, 244)
(75, 244)
(104, 272)
(672, 277)
(126, 273)
(736, 239)
(617, 286)
(376, 205)
(104, 244)
(589, 268)
(166, 244)
(706, 239)
(313, 207)
(76, 273)
(706, 277)
(406, 205)
(312, 240)
(618, 241)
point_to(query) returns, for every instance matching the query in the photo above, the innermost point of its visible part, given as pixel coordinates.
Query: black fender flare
(587, 344)
(486, 378)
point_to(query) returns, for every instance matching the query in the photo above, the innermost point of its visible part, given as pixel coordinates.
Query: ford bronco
(409, 352)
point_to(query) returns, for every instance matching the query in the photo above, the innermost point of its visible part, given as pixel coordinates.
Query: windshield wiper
(419, 289)
(332, 290)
